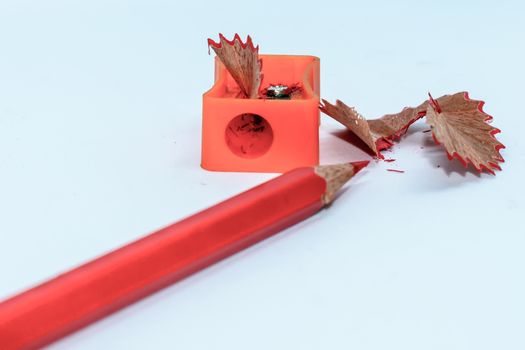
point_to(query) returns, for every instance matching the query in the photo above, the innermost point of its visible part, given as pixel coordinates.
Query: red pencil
(83, 295)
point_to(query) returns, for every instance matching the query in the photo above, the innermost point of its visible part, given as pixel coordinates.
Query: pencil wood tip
(336, 175)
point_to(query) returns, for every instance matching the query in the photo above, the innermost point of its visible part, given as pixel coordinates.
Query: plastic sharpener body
(263, 135)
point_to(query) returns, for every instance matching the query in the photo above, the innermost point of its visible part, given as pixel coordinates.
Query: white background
(100, 106)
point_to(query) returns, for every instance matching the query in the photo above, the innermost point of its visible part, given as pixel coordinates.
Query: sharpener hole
(249, 135)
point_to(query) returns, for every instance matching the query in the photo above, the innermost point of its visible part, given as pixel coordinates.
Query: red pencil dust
(81, 296)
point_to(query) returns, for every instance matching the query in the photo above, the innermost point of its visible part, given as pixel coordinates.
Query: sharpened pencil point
(359, 165)
(336, 175)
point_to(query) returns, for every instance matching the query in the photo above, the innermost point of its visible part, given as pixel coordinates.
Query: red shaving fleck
(395, 170)
(390, 160)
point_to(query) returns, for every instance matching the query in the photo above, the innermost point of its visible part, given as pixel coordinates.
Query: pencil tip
(359, 165)
(336, 176)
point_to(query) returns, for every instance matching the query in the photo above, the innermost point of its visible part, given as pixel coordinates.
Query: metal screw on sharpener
(278, 92)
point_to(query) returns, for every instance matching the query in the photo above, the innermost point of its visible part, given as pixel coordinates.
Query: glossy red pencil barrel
(81, 296)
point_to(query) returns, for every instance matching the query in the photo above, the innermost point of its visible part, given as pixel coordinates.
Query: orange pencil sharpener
(263, 135)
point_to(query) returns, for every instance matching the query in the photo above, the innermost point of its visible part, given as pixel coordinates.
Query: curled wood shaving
(242, 61)
(460, 124)
(377, 134)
